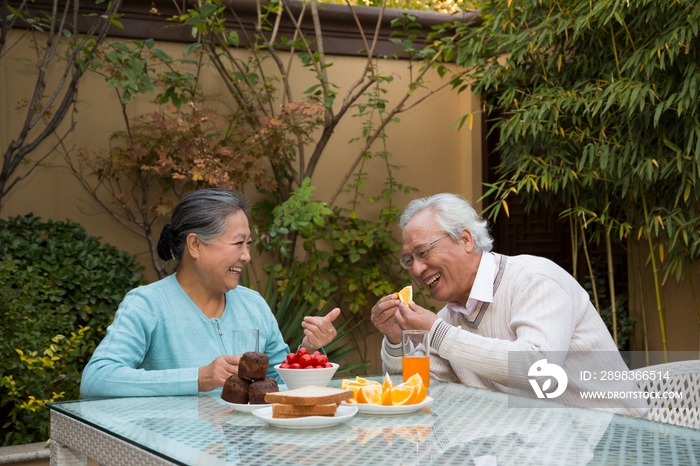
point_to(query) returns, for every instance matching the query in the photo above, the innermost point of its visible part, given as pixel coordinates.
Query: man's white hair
(452, 213)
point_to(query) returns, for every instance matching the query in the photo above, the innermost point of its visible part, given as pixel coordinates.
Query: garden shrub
(59, 290)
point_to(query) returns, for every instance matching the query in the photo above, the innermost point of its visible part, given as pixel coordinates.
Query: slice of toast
(284, 411)
(309, 396)
(296, 416)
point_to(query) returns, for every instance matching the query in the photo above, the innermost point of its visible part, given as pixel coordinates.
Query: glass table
(462, 426)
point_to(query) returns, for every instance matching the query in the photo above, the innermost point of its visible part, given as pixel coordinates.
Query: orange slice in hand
(406, 295)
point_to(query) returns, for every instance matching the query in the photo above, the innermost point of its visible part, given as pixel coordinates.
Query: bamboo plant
(598, 99)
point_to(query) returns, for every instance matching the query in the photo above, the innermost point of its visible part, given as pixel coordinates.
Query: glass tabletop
(463, 425)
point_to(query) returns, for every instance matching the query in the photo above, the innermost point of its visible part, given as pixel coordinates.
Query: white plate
(310, 422)
(365, 408)
(312, 437)
(246, 408)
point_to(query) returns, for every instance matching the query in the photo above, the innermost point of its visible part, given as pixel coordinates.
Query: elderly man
(499, 308)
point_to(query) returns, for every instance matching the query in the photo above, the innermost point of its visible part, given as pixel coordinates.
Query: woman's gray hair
(452, 213)
(204, 213)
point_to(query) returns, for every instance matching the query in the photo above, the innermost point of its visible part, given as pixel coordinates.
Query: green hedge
(59, 290)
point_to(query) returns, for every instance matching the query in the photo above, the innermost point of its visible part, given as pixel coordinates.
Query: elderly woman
(175, 336)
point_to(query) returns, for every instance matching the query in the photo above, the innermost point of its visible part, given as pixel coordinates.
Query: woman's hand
(319, 331)
(214, 375)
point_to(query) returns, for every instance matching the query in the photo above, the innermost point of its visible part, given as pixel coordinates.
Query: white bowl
(297, 378)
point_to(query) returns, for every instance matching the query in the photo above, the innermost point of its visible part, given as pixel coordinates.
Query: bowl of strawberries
(303, 368)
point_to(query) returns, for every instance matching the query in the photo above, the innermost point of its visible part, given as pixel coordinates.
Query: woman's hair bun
(165, 244)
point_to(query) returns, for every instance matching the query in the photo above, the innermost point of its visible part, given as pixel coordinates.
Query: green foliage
(440, 6)
(625, 322)
(340, 259)
(59, 290)
(345, 259)
(286, 300)
(598, 105)
(128, 68)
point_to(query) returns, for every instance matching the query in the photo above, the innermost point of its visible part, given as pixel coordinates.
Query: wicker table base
(72, 442)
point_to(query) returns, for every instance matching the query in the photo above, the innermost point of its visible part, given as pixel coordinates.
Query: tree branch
(19, 148)
(397, 109)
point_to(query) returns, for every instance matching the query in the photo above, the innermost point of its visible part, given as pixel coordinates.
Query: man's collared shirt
(482, 289)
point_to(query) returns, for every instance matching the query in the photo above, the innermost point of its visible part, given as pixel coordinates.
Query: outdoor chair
(684, 376)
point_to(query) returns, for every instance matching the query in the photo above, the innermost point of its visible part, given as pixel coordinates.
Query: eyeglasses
(420, 253)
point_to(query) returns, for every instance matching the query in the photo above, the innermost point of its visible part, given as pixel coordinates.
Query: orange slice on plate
(386, 398)
(406, 295)
(421, 393)
(347, 384)
(371, 394)
(402, 395)
(414, 380)
(388, 383)
(363, 381)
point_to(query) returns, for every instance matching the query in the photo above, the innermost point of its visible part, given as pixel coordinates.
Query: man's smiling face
(450, 267)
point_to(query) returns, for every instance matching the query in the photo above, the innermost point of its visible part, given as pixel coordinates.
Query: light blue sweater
(159, 339)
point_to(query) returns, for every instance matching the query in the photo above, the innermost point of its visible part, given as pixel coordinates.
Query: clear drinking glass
(245, 340)
(412, 361)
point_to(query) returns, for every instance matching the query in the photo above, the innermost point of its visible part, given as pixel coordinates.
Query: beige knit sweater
(539, 311)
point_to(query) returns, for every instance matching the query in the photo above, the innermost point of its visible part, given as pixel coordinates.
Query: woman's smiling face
(221, 262)
(450, 267)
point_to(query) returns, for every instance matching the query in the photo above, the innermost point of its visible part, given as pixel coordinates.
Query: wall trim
(142, 19)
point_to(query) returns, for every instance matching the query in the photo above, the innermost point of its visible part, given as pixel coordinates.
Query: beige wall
(434, 157)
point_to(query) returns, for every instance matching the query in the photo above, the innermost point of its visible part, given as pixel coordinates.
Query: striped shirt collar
(482, 288)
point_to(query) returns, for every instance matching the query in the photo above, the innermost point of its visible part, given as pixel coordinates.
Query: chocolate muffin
(253, 366)
(235, 390)
(257, 390)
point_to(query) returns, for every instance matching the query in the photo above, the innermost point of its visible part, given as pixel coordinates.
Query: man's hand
(415, 317)
(319, 331)
(214, 375)
(384, 318)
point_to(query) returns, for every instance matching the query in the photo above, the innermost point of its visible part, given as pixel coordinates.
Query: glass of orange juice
(415, 354)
